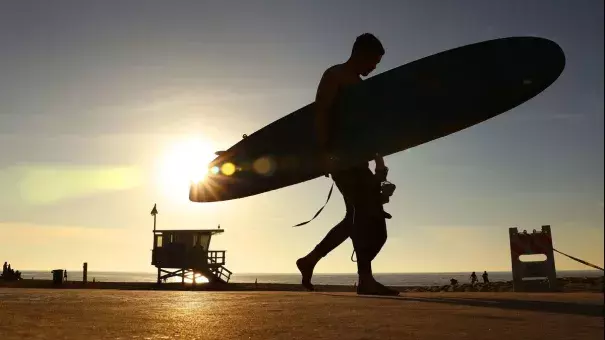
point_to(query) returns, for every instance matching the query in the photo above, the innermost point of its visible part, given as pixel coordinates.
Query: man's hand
(379, 162)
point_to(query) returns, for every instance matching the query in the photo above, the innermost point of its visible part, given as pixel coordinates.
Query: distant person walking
(485, 277)
(65, 275)
(473, 278)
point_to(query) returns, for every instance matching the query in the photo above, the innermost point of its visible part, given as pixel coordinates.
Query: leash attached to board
(578, 260)
(321, 209)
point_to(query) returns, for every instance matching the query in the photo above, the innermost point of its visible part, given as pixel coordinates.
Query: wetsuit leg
(363, 222)
(338, 234)
(368, 232)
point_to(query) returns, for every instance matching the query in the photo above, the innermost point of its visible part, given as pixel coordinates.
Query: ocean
(390, 279)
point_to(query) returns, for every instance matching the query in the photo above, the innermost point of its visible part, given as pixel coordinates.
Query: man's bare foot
(373, 287)
(306, 266)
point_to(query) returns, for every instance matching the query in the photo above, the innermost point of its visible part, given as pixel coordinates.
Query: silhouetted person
(485, 278)
(364, 220)
(473, 278)
(65, 275)
(4, 269)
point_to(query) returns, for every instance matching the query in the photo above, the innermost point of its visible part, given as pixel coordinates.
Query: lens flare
(228, 169)
(264, 166)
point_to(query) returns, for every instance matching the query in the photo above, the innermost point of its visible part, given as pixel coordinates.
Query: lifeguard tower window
(158, 241)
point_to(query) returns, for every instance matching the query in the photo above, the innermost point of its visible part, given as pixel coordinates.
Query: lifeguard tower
(186, 254)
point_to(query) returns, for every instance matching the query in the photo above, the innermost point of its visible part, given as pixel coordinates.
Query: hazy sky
(97, 99)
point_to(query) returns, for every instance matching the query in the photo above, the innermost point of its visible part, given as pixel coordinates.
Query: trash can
(57, 276)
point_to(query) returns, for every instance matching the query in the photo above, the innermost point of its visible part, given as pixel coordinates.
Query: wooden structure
(186, 254)
(526, 273)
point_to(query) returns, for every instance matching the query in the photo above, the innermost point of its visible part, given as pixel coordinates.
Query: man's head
(366, 54)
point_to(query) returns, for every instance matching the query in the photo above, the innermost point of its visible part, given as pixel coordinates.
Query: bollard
(85, 272)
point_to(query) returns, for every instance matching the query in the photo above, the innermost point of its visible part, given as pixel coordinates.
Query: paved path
(107, 314)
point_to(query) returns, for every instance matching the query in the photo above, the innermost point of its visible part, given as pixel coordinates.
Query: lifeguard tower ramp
(186, 254)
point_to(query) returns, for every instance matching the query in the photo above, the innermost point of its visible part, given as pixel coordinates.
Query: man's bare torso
(338, 77)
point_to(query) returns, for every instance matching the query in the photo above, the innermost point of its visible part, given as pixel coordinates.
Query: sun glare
(185, 162)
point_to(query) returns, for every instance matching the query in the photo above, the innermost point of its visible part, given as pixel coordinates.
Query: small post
(85, 272)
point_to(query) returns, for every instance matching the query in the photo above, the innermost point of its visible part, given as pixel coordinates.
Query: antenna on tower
(154, 212)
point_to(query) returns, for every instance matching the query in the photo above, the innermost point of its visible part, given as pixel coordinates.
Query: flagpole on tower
(154, 212)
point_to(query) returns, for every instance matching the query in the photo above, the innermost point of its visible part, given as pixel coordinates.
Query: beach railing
(216, 257)
(223, 273)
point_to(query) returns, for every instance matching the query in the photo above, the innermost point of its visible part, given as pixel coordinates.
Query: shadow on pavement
(596, 310)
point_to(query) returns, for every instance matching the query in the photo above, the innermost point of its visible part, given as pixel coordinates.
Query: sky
(105, 107)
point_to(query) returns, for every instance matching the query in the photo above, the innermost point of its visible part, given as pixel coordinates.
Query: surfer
(364, 220)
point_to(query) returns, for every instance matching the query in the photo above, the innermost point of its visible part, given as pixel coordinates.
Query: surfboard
(399, 109)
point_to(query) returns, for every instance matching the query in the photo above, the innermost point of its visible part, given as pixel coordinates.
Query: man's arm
(326, 93)
(381, 171)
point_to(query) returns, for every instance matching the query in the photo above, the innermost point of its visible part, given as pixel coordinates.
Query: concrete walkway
(103, 314)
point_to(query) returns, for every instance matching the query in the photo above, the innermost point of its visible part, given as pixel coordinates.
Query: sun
(184, 162)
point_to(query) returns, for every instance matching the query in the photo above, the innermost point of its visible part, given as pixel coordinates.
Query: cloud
(46, 184)
(32, 234)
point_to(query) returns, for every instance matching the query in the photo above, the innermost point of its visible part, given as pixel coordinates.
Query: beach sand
(121, 314)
